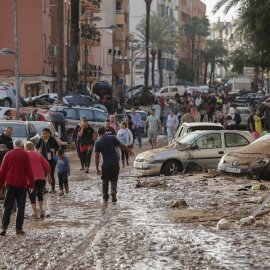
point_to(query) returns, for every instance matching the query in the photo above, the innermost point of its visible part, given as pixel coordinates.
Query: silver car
(23, 130)
(7, 95)
(202, 149)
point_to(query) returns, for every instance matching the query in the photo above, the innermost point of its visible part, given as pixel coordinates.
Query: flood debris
(149, 183)
(223, 224)
(247, 221)
(179, 204)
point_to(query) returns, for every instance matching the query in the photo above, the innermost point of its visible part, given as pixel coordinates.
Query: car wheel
(171, 167)
(6, 102)
(69, 136)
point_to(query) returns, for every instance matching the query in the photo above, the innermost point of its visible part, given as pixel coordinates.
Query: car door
(209, 152)
(71, 118)
(234, 141)
(89, 114)
(100, 119)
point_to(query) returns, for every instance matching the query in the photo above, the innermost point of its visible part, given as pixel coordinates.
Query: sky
(214, 18)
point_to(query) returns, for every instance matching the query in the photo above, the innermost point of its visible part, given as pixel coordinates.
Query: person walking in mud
(86, 138)
(106, 146)
(152, 128)
(48, 146)
(16, 173)
(63, 170)
(41, 170)
(75, 139)
(109, 129)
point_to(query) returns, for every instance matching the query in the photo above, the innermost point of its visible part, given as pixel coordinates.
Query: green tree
(196, 28)
(74, 53)
(184, 71)
(162, 36)
(214, 54)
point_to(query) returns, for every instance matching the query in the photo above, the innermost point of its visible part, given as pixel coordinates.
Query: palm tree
(162, 37)
(215, 54)
(74, 53)
(228, 4)
(147, 29)
(196, 28)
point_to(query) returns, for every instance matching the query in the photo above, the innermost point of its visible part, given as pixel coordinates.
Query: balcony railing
(92, 71)
(89, 32)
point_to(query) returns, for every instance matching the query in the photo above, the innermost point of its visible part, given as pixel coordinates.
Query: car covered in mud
(253, 159)
(198, 149)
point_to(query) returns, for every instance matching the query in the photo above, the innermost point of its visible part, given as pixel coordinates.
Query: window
(234, 140)
(31, 130)
(100, 116)
(88, 114)
(174, 89)
(164, 90)
(210, 141)
(71, 114)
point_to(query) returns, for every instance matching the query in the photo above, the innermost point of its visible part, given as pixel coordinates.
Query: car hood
(250, 155)
(155, 152)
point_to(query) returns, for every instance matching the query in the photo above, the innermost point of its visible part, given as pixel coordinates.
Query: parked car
(170, 91)
(50, 98)
(198, 149)
(186, 128)
(251, 159)
(40, 125)
(7, 95)
(23, 130)
(96, 117)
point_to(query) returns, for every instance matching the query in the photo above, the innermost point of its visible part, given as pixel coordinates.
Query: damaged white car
(253, 159)
(201, 149)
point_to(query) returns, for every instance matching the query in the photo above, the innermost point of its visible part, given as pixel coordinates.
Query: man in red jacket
(16, 173)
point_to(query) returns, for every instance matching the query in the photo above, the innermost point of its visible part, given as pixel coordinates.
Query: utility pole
(59, 52)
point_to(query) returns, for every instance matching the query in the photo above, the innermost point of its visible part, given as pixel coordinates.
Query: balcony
(91, 34)
(92, 71)
(92, 5)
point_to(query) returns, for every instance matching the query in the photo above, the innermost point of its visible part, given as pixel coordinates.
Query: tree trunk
(205, 72)
(147, 30)
(160, 68)
(59, 53)
(74, 45)
(153, 53)
(192, 56)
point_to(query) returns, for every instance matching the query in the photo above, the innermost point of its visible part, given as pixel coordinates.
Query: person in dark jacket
(16, 173)
(6, 139)
(48, 146)
(86, 138)
(76, 140)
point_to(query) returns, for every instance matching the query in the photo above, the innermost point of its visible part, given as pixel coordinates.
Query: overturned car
(253, 159)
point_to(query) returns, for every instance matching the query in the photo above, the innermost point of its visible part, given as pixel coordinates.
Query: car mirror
(194, 147)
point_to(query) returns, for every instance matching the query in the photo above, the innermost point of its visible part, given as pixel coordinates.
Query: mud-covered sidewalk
(158, 223)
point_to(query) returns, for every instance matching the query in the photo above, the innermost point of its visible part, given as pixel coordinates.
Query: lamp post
(7, 51)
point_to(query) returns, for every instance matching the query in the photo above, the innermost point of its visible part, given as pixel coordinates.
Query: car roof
(61, 107)
(201, 124)
(14, 122)
(242, 132)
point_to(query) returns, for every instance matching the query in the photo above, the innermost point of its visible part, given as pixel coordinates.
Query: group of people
(24, 169)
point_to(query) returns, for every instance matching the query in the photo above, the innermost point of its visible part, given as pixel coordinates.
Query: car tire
(6, 102)
(171, 167)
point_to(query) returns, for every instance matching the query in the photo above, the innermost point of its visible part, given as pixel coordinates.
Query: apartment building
(34, 37)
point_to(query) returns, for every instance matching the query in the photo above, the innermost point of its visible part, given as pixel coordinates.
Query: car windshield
(188, 138)
(263, 138)
(18, 130)
(39, 126)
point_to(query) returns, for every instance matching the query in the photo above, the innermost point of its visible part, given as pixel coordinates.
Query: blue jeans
(137, 132)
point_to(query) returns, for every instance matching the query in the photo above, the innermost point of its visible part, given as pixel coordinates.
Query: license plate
(138, 165)
(232, 170)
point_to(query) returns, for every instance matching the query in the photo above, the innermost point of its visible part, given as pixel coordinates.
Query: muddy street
(157, 223)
